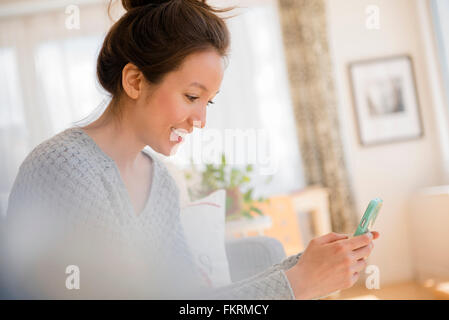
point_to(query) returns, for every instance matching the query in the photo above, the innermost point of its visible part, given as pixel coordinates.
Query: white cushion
(204, 224)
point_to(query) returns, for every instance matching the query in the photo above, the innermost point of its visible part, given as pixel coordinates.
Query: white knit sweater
(69, 206)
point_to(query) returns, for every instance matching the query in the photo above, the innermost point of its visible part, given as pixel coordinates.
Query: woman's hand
(330, 263)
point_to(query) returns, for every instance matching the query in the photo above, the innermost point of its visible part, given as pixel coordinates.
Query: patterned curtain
(311, 82)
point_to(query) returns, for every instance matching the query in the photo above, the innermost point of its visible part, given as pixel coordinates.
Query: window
(65, 71)
(47, 79)
(440, 14)
(13, 131)
(11, 111)
(254, 98)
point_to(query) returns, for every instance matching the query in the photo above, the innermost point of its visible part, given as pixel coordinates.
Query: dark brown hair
(157, 36)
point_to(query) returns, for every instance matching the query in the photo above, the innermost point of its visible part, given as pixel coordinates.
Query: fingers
(363, 252)
(354, 278)
(359, 265)
(375, 234)
(355, 270)
(330, 237)
(359, 241)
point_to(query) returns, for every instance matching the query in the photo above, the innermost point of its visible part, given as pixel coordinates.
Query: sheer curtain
(13, 131)
(47, 82)
(47, 78)
(255, 99)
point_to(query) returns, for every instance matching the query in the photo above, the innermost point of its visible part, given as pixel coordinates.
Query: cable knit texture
(70, 180)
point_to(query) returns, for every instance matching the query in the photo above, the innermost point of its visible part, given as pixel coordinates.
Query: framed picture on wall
(385, 100)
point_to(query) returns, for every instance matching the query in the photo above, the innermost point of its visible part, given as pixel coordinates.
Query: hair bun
(131, 4)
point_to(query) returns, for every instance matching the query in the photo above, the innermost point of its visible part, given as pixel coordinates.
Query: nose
(198, 118)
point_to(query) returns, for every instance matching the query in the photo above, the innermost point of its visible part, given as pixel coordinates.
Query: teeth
(179, 132)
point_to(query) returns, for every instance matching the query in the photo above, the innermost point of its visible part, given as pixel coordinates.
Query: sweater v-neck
(110, 163)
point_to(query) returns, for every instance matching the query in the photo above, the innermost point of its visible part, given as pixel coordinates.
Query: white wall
(390, 171)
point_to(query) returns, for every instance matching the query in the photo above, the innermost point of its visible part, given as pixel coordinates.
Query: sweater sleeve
(51, 184)
(271, 284)
(49, 210)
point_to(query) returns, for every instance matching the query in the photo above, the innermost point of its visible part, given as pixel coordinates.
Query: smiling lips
(177, 134)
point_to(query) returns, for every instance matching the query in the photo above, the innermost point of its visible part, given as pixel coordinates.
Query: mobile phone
(369, 216)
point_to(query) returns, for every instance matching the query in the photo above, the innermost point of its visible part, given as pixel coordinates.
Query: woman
(162, 63)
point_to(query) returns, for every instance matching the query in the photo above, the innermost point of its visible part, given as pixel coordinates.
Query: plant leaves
(234, 175)
(269, 179)
(247, 214)
(252, 208)
(247, 196)
(245, 179)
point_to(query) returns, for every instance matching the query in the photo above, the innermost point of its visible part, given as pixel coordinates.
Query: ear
(132, 79)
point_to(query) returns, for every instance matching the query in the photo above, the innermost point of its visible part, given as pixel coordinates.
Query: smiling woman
(165, 73)
(93, 197)
(159, 114)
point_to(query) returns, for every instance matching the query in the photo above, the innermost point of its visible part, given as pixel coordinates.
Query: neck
(117, 139)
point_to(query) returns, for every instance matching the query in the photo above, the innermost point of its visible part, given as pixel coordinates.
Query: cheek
(173, 110)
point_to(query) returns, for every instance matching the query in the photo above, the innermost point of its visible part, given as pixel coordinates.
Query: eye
(192, 99)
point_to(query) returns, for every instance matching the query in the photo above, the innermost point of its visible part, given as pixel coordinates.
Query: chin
(168, 149)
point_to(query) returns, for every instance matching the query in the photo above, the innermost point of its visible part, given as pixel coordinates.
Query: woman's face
(166, 113)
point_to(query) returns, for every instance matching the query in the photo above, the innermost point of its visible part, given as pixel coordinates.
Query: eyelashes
(192, 99)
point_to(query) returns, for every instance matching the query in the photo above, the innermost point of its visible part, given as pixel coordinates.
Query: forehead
(201, 70)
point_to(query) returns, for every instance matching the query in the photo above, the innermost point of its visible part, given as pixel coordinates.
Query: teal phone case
(369, 216)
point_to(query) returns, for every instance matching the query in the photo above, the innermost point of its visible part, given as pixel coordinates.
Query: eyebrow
(197, 84)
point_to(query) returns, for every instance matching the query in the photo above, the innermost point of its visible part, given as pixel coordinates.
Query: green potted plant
(240, 201)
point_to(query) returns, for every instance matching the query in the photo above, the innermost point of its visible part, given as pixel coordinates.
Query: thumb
(331, 237)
